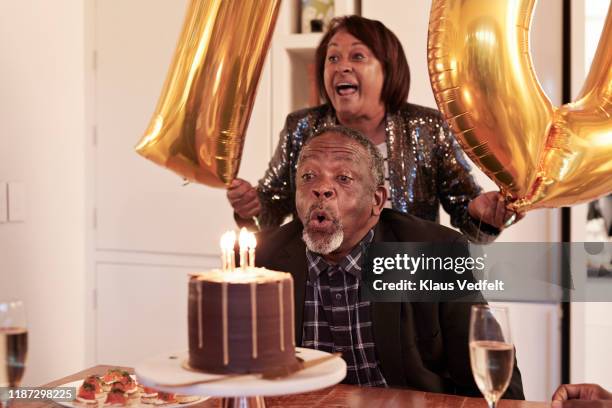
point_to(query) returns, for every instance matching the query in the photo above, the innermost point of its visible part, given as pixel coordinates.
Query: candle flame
(244, 238)
(251, 241)
(228, 239)
(222, 241)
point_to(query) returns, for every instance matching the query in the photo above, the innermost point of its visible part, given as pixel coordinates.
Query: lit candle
(243, 241)
(227, 246)
(222, 243)
(252, 243)
(232, 243)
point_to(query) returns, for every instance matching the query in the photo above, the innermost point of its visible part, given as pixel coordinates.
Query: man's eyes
(342, 178)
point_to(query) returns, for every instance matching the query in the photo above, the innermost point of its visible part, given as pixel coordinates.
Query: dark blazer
(419, 345)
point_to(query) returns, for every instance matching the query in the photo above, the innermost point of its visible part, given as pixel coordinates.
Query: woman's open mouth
(346, 88)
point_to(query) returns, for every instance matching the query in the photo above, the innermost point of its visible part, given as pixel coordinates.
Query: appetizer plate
(158, 404)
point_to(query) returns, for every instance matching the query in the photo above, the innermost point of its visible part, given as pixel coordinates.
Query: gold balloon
(484, 83)
(198, 127)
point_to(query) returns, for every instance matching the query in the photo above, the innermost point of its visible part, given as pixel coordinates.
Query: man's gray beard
(325, 245)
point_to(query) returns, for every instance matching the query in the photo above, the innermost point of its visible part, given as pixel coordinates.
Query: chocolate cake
(241, 322)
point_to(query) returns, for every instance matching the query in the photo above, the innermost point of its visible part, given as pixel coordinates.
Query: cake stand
(239, 391)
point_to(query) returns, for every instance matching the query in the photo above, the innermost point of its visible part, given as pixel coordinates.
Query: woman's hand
(490, 208)
(243, 198)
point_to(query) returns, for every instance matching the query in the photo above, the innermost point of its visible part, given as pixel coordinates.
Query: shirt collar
(349, 264)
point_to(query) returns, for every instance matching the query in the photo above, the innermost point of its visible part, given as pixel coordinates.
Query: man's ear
(380, 198)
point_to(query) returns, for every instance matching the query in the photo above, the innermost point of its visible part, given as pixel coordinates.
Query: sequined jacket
(426, 168)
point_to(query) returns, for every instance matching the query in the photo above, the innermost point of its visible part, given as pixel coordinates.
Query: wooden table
(334, 397)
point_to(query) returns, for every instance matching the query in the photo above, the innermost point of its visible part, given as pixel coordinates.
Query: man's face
(336, 198)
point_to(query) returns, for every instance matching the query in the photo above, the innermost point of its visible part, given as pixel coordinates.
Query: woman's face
(353, 77)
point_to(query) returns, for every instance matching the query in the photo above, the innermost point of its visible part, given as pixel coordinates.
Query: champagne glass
(13, 342)
(491, 351)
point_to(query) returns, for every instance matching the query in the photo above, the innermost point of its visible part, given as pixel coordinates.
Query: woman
(364, 80)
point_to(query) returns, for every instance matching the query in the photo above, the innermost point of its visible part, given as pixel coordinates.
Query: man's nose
(323, 192)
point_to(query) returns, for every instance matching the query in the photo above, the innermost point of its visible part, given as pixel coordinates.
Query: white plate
(78, 383)
(167, 369)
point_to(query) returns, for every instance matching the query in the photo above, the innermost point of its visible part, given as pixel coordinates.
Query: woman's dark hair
(386, 48)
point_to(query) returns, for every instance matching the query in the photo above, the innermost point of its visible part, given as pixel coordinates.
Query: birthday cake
(240, 320)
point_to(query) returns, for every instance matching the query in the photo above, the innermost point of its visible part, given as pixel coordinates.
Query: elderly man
(340, 196)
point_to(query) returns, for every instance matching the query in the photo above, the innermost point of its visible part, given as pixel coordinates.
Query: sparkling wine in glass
(491, 351)
(13, 342)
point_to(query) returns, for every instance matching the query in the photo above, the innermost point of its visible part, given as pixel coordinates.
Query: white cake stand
(241, 391)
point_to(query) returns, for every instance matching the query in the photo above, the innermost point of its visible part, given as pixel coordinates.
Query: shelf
(300, 42)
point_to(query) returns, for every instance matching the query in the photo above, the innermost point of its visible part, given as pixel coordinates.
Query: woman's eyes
(307, 176)
(344, 179)
(358, 56)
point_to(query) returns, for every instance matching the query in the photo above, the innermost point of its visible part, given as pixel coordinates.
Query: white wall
(41, 144)
(591, 326)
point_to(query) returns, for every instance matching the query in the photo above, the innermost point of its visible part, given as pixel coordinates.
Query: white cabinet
(142, 312)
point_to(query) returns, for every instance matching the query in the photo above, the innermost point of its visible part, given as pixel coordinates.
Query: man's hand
(582, 404)
(490, 208)
(243, 198)
(582, 392)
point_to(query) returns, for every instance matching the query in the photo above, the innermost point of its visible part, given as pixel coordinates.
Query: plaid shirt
(336, 320)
